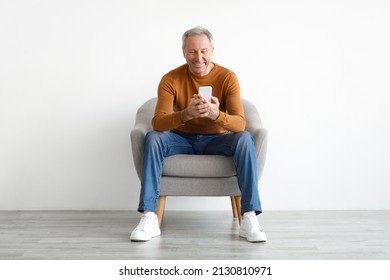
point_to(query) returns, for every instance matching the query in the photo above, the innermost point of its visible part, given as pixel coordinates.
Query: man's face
(197, 52)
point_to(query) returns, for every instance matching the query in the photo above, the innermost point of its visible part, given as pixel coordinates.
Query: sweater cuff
(221, 119)
(177, 119)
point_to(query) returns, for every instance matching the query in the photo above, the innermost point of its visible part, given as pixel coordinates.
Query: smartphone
(205, 92)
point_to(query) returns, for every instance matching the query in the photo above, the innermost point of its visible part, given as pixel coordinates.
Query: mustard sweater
(178, 86)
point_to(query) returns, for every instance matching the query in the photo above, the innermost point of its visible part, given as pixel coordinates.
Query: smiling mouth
(198, 65)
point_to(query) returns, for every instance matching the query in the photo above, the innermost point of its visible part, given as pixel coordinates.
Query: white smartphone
(206, 92)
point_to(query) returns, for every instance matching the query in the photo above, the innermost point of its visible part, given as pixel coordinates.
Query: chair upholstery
(198, 175)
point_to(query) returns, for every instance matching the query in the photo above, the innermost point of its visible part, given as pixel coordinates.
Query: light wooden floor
(303, 235)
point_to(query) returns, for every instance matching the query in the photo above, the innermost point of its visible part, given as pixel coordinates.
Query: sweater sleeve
(164, 117)
(231, 117)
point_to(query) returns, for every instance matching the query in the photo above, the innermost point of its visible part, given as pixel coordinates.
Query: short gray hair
(197, 31)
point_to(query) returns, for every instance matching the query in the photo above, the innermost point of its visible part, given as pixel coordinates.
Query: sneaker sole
(143, 239)
(243, 235)
(254, 241)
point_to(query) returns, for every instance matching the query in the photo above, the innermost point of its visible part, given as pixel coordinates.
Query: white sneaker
(250, 228)
(147, 228)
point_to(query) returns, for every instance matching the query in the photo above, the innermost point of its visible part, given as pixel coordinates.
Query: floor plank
(94, 235)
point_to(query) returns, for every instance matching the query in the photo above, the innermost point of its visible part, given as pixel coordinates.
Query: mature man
(186, 123)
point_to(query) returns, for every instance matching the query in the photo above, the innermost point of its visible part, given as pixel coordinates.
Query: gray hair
(197, 31)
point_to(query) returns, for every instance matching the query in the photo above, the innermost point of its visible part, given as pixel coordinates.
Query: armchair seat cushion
(199, 166)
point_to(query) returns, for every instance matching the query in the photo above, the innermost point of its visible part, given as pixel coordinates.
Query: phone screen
(205, 92)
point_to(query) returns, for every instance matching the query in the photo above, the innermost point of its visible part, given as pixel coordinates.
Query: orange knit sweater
(178, 86)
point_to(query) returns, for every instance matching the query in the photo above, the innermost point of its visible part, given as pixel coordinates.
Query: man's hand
(201, 108)
(214, 105)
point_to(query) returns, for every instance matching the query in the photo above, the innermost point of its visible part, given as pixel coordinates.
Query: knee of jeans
(245, 137)
(152, 138)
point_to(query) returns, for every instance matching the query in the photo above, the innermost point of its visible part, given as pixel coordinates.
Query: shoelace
(143, 221)
(254, 222)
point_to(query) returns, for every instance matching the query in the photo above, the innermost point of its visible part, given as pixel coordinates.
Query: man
(186, 123)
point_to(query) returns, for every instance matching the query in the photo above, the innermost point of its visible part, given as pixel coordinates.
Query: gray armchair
(198, 175)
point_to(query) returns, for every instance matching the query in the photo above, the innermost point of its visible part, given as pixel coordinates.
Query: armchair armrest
(138, 133)
(137, 136)
(260, 137)
(259, 134)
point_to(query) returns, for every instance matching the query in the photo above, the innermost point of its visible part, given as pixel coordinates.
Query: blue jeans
(239, 145)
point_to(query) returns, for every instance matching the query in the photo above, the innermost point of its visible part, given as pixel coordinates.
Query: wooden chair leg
(238, 207)
(234, 207)
(160, 209)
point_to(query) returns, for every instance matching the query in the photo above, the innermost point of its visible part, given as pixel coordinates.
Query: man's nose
(198, 55)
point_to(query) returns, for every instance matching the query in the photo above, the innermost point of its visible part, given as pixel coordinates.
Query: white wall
(73, 73)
